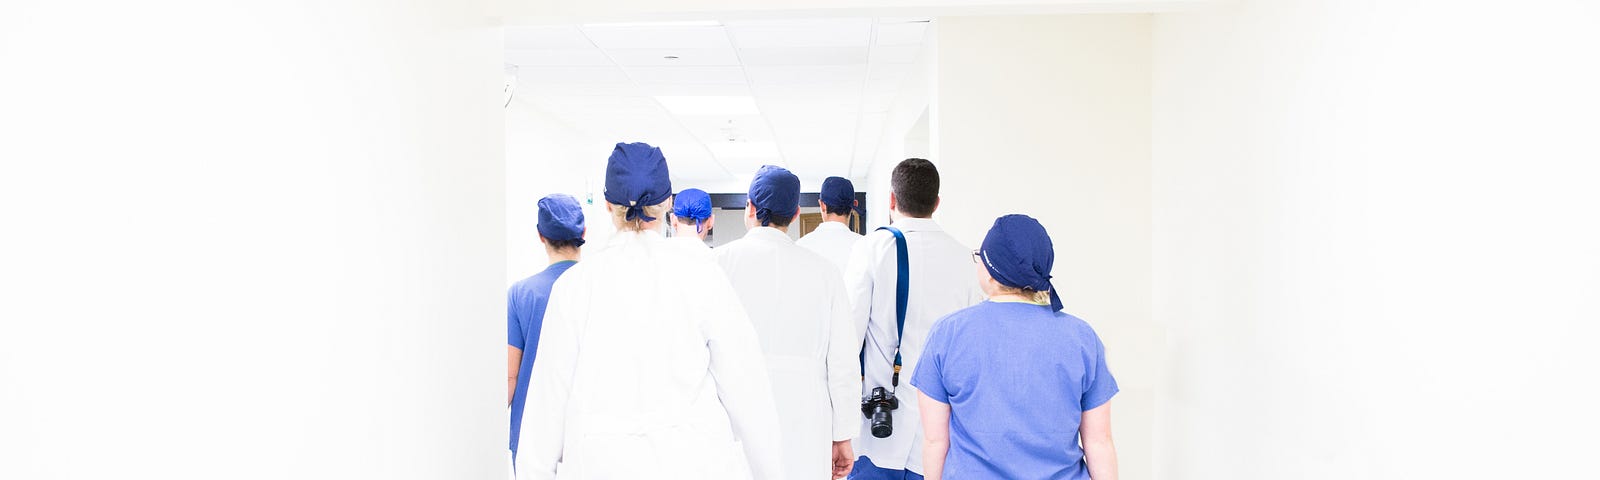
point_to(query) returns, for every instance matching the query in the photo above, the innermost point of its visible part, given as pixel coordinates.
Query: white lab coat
(833, 241)
(648, 367)
(943, 280)
(797, 302)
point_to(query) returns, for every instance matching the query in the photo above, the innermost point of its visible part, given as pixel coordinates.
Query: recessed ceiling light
(686, 23)
(709, 105)
(671, 57)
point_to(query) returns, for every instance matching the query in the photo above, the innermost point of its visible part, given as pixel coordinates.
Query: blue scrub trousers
(865, 470)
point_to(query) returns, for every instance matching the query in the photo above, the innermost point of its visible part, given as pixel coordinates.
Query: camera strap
(902, 291)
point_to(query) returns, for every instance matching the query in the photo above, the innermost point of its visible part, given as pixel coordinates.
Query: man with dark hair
(798, 306)
(561, 231)
(833, 238)
(915, 183)
(939, 280)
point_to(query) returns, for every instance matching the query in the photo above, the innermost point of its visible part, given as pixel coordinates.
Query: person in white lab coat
(940, 282)
(833, 238)
(797, 303)
(623, 389)
(691, 214)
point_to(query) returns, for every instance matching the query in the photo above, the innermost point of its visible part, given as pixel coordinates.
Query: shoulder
(961, 319)
(1079, 327)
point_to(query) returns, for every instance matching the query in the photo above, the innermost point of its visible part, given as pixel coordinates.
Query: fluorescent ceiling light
(747, 150)
(709, 105)
(684, 23)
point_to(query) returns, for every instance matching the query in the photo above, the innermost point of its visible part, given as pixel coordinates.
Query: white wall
(545, 156)
(251, 240)
(1050, 116)
(1376, 239)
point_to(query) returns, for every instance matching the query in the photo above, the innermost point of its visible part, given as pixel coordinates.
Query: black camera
(877, 407)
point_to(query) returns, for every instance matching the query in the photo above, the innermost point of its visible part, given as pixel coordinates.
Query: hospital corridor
(800, 240)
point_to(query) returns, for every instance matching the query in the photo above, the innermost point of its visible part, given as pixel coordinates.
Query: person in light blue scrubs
(561, 231)
(1011, 386)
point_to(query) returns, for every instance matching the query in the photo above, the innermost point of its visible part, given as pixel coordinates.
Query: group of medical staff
(900, 354)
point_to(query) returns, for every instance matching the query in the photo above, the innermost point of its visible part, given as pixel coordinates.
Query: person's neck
(828, 217)
(558, 256)
(896, 216)
(1009, 297)
(784, 229)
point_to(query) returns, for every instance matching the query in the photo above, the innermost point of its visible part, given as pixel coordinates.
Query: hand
(843, 458)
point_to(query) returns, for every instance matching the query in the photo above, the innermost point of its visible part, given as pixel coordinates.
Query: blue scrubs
(1018, 378)
(525, 303)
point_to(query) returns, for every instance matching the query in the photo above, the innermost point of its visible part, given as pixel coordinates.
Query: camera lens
(882, 423)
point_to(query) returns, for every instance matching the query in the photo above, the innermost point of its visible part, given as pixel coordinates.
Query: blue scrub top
(1018, 378)
(525, 304)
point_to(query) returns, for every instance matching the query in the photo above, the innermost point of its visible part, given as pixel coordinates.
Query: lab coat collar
(917, 225)
(825, 226)
(769, 234)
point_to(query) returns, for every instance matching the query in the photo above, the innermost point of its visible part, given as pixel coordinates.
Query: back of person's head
(915, 183)
(692, 206)
(561, 222)
(838, 196)
(637, 185)
(1018, 254)
(775, 195)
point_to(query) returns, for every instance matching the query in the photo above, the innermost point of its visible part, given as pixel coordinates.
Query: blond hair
(619, 216)
(1035, 296)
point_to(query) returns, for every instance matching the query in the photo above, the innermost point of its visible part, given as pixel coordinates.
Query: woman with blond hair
(624, 389)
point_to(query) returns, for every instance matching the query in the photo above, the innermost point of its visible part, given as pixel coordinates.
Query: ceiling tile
(658, 37)
(685, 57)
(689, 75)
(810, 74)
(546, 37)
(578, 89)
(691, 90)
(557, 57)
(540, 75)
(804, 56)
(846, 32)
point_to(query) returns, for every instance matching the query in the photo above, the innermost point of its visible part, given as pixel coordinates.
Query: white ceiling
(820, 87)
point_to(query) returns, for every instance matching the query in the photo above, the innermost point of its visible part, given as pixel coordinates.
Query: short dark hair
(915, 183)
(837, 210)
(564, 244)
(779, 220)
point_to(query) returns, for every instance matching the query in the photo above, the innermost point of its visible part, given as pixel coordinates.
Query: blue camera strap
(902, 292)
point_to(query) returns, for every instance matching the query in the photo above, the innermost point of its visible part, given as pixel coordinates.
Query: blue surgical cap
(775, 191)
(636, 177)
(838, 192)
(560, 217)
(692, 204)
(1018, 253)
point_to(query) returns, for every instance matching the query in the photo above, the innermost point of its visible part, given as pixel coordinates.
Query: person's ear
(936, 201)
(709, 220)
(542, 240)
(822, 206)
(608, 207)
(585, 233)
(894, 203)
(855, 203)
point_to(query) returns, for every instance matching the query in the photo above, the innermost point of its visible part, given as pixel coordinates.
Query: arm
(544, 415)
(935, 436)
(858, 286)
(740, 371)
(513, 367)
(1098, 451)
(844, 378)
